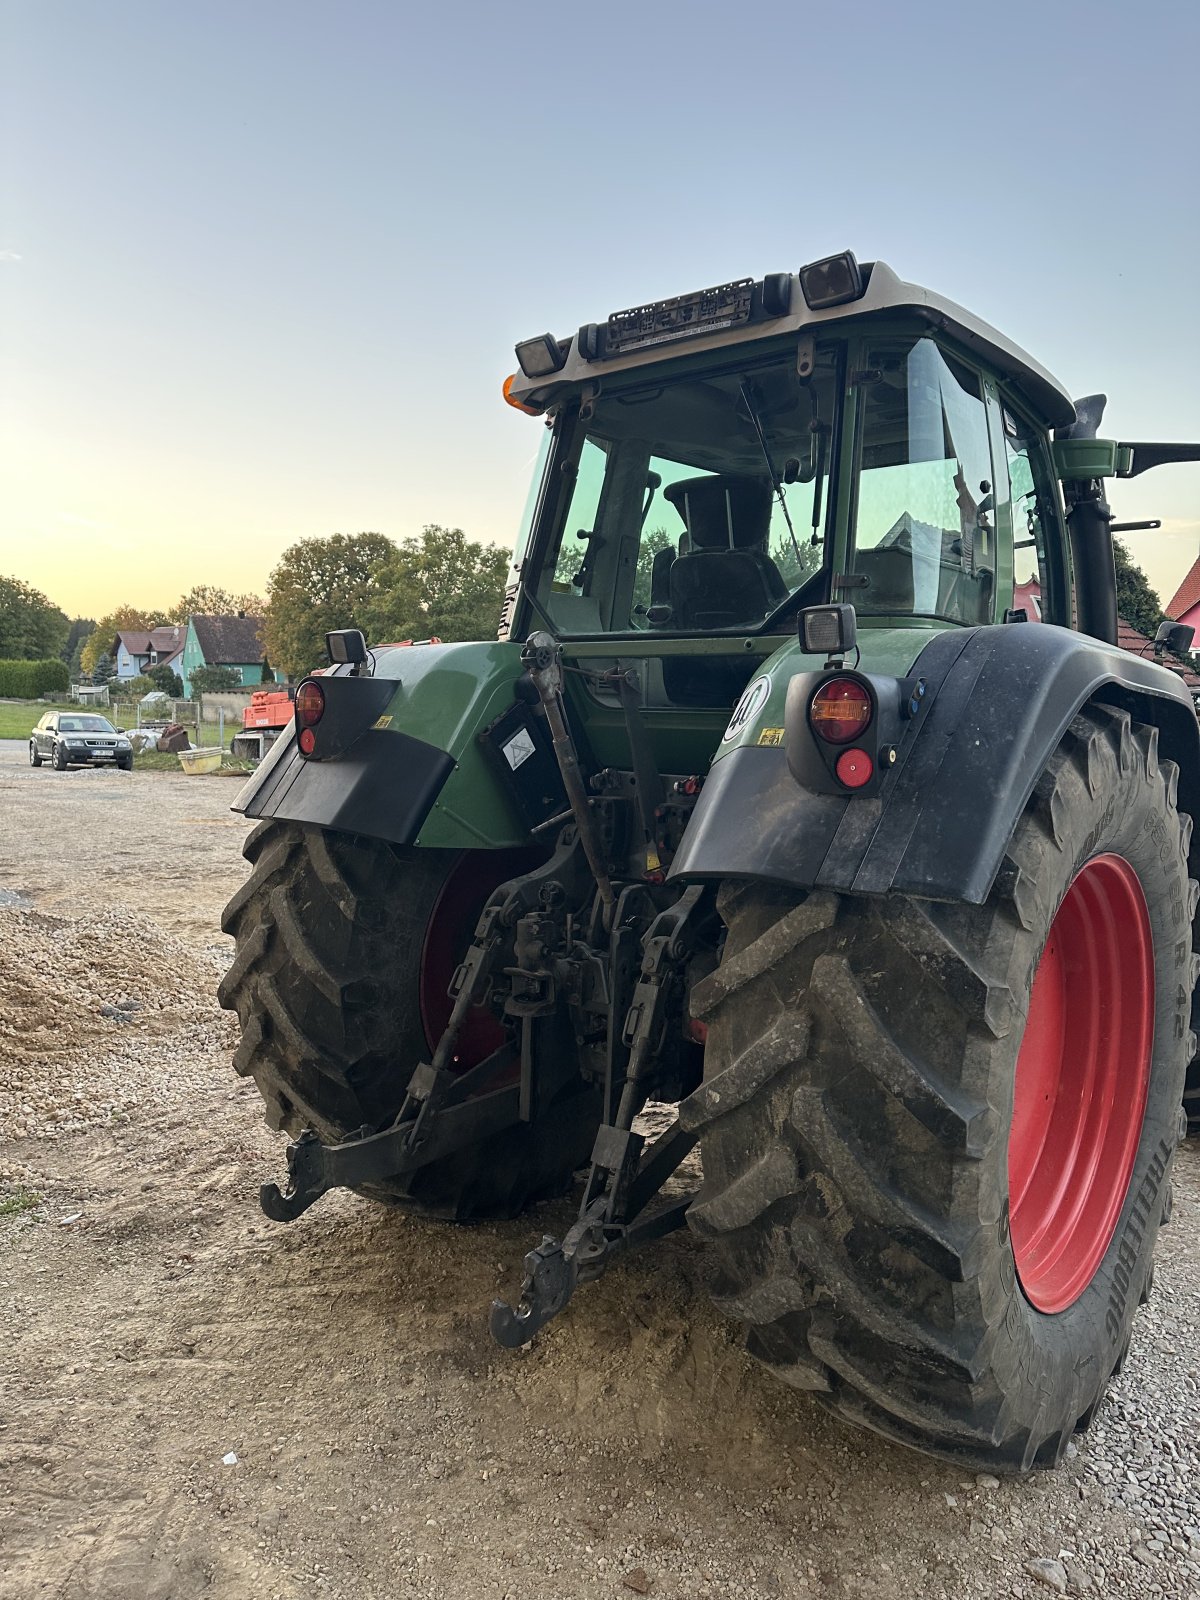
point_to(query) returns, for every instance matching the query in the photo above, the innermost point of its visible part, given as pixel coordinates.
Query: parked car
(78, 738)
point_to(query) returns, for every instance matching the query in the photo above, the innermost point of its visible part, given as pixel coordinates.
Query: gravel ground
(194, 1402)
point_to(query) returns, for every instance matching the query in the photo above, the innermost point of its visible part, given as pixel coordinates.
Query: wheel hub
(1081, 1083)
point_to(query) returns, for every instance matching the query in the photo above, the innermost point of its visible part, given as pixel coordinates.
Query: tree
(133, 688)
(166, 681)
(103, 670)
(1137, 602)
(214, 680)
(125, 619)
(441, 585)
(653, 541)
(32, 628)
(320, 585)
(75, 665)
(208, 600)
(80, 628)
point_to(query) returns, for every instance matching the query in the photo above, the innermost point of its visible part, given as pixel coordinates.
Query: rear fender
(998, 700)
(399, 756)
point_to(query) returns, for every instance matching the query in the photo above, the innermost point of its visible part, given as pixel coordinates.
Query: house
(1027, 597)
(136, 650)
(224, 642)
(1184, 606)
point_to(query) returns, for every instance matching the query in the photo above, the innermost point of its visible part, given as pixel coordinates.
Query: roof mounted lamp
(833, 281)
(541, 357)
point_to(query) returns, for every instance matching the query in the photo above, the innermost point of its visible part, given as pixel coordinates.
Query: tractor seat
(727, 579)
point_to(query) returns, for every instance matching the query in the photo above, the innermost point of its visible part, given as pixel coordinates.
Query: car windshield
(85, 725)
(675, 522)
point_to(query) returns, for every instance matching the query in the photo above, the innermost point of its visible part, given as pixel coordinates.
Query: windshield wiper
(776, 480)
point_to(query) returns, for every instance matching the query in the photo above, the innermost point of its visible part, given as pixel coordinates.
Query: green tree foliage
(209, 600)
(80, 629)
(133, 688)
(124, 618)
(653, 540)
(103, 671)
(166, 681)
(441, 585)
(31, 627)
(1136, 600)
(75, 665)
(319, 585)
(214, 680)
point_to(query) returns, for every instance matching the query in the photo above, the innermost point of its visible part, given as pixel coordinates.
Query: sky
(262, 264)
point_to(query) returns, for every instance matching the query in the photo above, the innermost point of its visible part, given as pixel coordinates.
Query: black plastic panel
(384, 786)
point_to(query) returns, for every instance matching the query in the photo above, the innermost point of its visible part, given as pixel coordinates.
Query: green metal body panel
(446, 695)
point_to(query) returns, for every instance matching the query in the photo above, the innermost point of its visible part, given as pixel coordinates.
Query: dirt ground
(196, 1402)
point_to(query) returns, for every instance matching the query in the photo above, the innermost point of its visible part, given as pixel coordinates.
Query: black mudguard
(383, 785)
(999, 700)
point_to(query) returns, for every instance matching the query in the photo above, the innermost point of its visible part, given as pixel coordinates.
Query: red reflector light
(854, 768)
(840, 710)
(310, 704)
(307, 741)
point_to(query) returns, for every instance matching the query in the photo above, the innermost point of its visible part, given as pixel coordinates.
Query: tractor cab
(717, 463)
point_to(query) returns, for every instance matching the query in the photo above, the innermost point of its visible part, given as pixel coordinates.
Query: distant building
(1185, 604)
(136, 650)
(236, 642)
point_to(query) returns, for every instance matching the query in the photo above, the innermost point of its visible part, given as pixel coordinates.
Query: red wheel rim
(1081, 1082)
(447, 939)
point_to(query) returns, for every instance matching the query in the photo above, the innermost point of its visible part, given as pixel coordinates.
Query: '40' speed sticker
(747, 708)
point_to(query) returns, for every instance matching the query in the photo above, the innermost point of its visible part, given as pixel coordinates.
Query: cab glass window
(925, 539)
(1039, 584)
(673, 523)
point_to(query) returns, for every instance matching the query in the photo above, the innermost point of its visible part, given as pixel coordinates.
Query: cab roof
(884, 294)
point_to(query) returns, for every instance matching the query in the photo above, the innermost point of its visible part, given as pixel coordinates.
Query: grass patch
(17, 1201)
(17, 719)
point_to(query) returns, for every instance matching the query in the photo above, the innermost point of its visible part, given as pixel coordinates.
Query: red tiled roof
(139, 642)
(1187, 595)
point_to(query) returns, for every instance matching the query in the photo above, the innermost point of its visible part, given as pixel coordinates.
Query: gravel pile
(92, 1011)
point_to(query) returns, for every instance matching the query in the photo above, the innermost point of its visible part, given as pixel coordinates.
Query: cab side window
(1039, 576)
(925, 539)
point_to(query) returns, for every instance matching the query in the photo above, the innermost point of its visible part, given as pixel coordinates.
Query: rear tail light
(841, 710)
(310, 704)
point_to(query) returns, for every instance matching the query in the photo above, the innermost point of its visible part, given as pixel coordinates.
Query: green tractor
(770, 804)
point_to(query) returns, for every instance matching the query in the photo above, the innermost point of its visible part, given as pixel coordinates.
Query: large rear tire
(936, 1216)
(332, 933)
